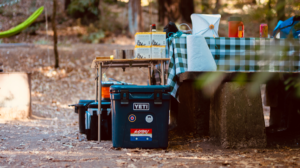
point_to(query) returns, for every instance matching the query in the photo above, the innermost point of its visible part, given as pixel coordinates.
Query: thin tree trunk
(135, 17)
(161, 12)
(172, 9)
(55, 34)
(217, 7)
(269, 13)
(205, 6)
(67, 3)
(186, 9)
(150, 11)
(141, 20)
(280, 10)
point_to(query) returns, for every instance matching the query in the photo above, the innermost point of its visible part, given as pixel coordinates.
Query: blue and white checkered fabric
(237, 54)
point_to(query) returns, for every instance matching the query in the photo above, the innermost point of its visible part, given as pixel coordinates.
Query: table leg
(162, 73)
(96, 85)
(149, 74)
(99, 101)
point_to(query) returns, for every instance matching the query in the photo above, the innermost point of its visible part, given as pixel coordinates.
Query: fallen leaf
(132, 166)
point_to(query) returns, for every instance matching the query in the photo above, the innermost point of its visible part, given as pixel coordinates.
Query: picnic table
(224, 109)
(99, 63)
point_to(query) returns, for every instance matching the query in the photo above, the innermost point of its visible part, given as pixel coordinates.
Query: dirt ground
(51, 139)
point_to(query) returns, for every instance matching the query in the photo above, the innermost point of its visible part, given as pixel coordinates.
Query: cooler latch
(124, 97)
(157, 97)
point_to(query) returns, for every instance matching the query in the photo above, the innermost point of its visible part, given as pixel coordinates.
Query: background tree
(205, 6)
(280, 10)
(217, 7)
(87, 10)
(135, 16)
(186, 9)
(55, 34)
(67, 3)
(173, 10)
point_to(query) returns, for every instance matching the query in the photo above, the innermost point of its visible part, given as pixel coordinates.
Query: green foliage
(208, 79)
(94, 37)
(297, 26)
(42, 42)
(32, 29)
(1, 11)
(83, 6)
(108, 19)
(110, 1)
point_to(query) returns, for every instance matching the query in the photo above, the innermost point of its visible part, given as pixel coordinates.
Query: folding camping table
(99, 63)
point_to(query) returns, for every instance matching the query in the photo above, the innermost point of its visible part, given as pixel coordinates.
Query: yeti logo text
(141, 106)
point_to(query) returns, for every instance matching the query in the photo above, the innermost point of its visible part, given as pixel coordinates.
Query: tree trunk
(280, 10)
(217, 7)
(67, 3)
(269, 13)
(186, 9)
(172, 8)
(161, 12)
(55, 34)
(205, 6)
(135, 16)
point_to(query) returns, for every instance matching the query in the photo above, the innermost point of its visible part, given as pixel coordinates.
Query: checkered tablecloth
(237, 54)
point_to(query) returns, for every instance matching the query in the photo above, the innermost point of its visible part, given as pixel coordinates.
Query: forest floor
(51, 139)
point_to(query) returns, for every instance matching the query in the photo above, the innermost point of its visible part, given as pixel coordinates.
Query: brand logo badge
(141, 134)
(141, 106)
(132, 118)
(149, 118)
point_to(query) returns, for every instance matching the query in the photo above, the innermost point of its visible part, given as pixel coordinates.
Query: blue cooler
(140, 116)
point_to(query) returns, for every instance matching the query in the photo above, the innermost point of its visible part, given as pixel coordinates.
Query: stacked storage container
(150, 45)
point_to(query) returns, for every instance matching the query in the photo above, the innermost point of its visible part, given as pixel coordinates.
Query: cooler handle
(141, 96)
(124, 97)
(157, 96)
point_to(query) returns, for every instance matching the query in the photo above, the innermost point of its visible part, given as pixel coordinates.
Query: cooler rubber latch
(157, 97)
(124, 97)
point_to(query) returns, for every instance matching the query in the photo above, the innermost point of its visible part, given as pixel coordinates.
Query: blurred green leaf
(207, 79)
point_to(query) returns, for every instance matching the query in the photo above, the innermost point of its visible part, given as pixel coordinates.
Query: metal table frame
(122, 63)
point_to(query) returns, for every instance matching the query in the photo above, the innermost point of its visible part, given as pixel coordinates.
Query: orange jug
(235, 25)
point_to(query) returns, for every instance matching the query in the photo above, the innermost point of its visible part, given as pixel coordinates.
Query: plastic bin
(80, 108)
(140, 116)
(91, 123)
(81, 102)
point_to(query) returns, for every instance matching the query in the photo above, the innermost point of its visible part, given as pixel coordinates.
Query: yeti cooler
(140, 116)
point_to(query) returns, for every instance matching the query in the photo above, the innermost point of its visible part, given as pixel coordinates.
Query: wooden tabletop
(127, 61)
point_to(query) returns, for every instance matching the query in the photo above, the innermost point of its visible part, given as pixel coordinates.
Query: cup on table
(118, 54)
(129, 54)
(123, 54)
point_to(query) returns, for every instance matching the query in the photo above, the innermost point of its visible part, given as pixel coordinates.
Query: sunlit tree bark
(135, 17)
(217, 7)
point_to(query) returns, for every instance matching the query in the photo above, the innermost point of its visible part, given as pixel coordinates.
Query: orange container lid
(105, 93)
